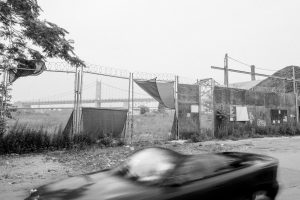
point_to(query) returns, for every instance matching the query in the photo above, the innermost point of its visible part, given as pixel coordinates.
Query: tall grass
(21, 138)
(236, 130)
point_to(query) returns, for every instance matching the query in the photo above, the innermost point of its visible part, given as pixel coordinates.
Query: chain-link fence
(49, 99)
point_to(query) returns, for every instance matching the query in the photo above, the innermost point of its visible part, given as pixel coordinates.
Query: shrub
(205, 134)
(144, 109)
(23, 139)
(242, 130)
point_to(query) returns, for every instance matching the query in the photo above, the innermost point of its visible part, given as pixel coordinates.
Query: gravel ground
(20, 173)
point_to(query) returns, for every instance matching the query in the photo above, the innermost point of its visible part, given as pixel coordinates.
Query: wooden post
(296, 95)
(252, 73)
(226, 82)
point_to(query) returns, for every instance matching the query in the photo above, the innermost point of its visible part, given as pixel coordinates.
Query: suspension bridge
(97, 101)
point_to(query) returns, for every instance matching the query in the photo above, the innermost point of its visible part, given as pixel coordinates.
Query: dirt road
(20, 173)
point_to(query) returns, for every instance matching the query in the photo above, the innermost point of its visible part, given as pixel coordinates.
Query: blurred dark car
(161, 174)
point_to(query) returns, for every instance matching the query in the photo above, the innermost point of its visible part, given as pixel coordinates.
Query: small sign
(261, 122)
(194, 108)
(232, 113)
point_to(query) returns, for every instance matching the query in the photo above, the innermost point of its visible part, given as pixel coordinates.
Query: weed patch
(23, 139)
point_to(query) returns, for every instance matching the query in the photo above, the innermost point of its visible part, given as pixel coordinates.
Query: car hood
(100, 186)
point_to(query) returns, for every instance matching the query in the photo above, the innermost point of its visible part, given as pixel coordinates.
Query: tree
(24, 36)
(26, 40)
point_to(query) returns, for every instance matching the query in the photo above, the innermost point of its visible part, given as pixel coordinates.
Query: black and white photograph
(149, 100)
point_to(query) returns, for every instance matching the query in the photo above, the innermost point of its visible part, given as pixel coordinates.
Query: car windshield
(149, 165)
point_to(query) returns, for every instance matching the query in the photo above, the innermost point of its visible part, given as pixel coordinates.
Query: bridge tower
(98, 94)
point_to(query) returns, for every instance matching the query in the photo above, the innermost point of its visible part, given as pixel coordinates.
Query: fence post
(213, 106)
(74, 131)
(199, 108)
(80, 100)
(176, 108)
(77, 101)
(128, 107)
(132, 106)
(4, 94)
(296, 95)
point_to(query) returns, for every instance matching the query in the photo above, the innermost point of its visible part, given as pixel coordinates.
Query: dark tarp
(162, 92)
(166, 92)
(26, 68)
(98, 122)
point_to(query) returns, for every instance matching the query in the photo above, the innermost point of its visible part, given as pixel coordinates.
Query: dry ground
(20, 173)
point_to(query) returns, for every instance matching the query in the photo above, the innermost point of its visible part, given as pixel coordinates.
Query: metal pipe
(74, 131)
(200, 102)
(128, 107)
(132, 106)
(80, 100)
(176, 107)
(296, 95)
(213, 104)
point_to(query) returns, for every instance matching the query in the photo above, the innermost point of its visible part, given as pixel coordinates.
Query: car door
(210, 180)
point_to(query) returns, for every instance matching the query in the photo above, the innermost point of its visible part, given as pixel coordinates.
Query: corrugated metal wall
(259, 104)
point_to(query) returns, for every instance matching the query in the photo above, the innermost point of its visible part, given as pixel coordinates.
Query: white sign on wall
(194, 108)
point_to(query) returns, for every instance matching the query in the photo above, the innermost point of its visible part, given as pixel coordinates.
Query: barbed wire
(158, 76)
(110, 71)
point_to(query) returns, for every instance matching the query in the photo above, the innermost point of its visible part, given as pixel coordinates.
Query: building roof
(272, 84)
(245, 85)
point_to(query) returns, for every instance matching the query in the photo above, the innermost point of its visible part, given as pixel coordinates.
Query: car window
(149, 165)
(200, 166)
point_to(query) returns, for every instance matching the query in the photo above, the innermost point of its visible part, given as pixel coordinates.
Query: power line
(238, 61)
(248, 65)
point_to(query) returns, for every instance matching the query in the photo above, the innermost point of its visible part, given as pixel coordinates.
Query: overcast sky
(183, 37)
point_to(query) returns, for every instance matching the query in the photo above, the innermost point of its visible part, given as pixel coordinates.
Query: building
(265, 102)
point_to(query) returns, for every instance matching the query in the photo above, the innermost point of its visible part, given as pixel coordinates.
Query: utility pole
(226, 82)
(296, 95)
(252, 73)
